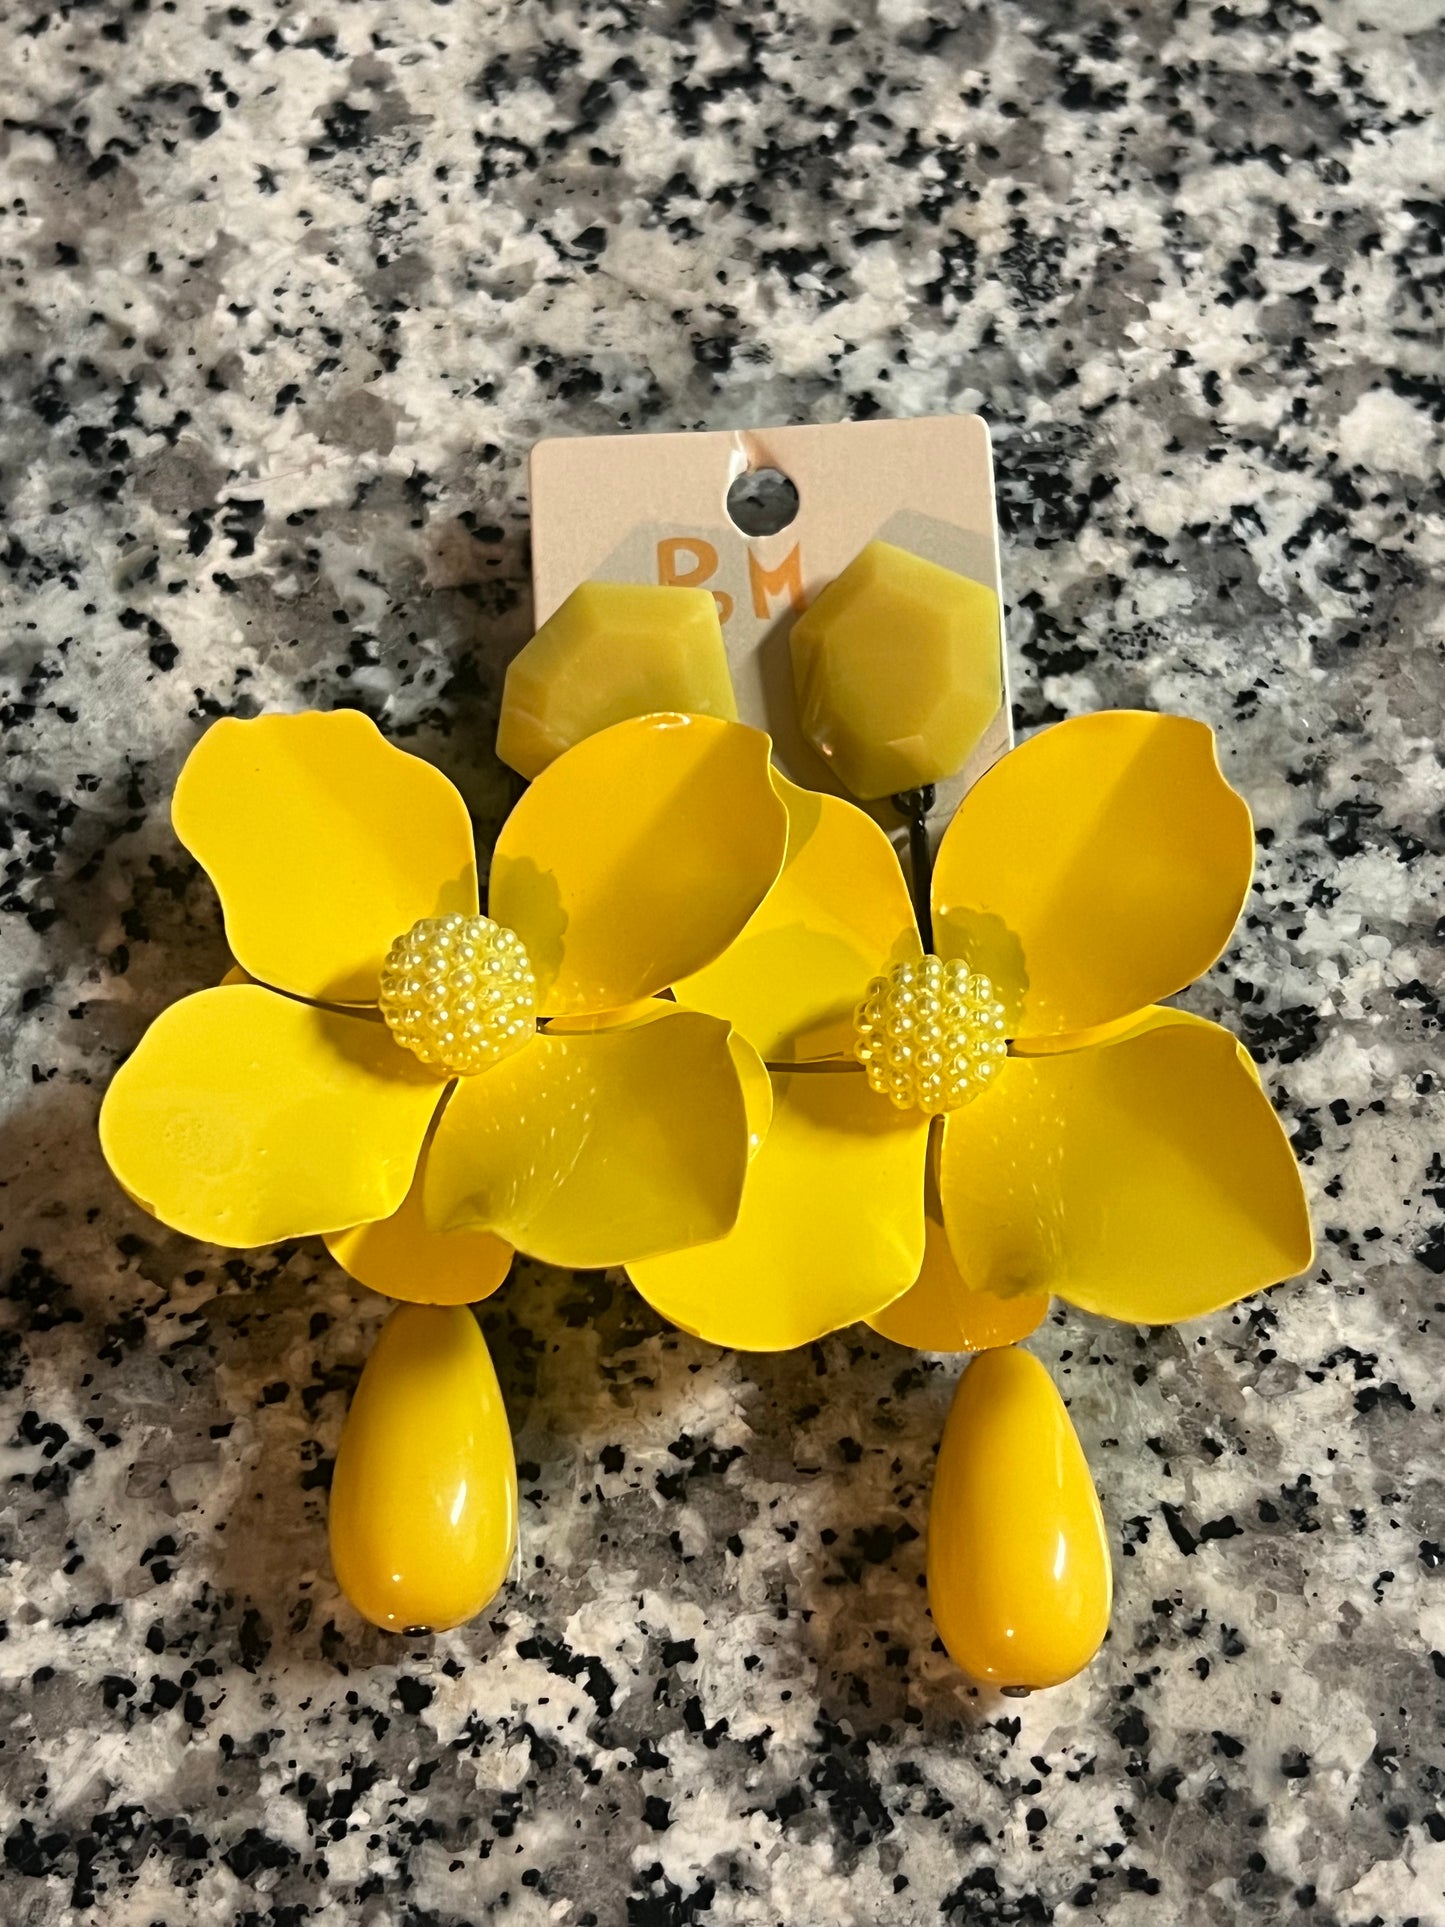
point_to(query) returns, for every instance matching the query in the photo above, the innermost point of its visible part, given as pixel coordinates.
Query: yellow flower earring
(987, 1104)
(431, 1089)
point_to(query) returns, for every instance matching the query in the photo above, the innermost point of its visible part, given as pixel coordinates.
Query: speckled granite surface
(289, 292)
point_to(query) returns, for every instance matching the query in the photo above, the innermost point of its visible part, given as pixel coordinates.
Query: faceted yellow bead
(611, 651)
(1019, 1579)
(897, 669)
(930, 1035)
(423, 1513)
(460, 992)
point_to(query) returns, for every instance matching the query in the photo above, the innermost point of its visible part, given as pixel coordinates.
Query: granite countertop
(290, 291)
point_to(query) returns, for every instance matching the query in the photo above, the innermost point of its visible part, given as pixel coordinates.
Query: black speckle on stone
(253, 1639)
(714, 352)
(256, 1852)
(33, 1854)
(659, 1902)
(843, 1779)
(346, 127)
(415, 1695)
(1225, 1528)
(1284, 1035)
(875, 1543)
(979, 1898)
(1178, 1531)
(1133, 1729)
(165, 1693)
(1384, 1397)
(597, 1682)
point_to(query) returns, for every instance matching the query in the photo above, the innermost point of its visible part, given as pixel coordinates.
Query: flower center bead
(930, 1035)
(459, 991)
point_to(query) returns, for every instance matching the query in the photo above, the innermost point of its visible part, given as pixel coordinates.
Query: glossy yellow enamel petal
(752, 1071)
(402, 1257)
(941, 1312)
(1019, 1577)
(590, 1148)
(757, 1089)
(324, 841)
(642, 1012)
(637, 857)
(1147, 1180)
(831, 1226)
(423, 1512)
(244, 1117)
(1096, 868)
(1134, 1025)
(838, 915)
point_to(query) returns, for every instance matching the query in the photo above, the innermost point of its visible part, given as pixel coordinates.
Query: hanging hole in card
(762, 501)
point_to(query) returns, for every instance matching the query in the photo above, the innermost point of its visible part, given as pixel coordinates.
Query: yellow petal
(941, 1312)
(1138, 1021)
(423, 1512)
(590, 1148)
(838, 914)
(757, 1089)
(1019, 1578)
(1148, 1180)
(1095, 869)
(402, 1257)
(642, 1012)
(324, 841)
(831, 1226)
(637, 857)
(752, 1071)
(244, 1118)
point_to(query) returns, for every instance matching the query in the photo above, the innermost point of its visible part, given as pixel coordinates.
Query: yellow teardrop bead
(424, 1502)
(1019, 1579)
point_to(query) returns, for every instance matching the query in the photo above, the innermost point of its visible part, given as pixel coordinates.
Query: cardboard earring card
(655, 509)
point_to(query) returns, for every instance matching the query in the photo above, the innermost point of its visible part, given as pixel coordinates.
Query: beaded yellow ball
(459, 992)
(930, 1035)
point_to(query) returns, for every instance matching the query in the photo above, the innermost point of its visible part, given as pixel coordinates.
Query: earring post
(914, 807)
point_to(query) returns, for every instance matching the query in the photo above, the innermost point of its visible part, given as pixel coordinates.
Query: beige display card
(653, 508)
